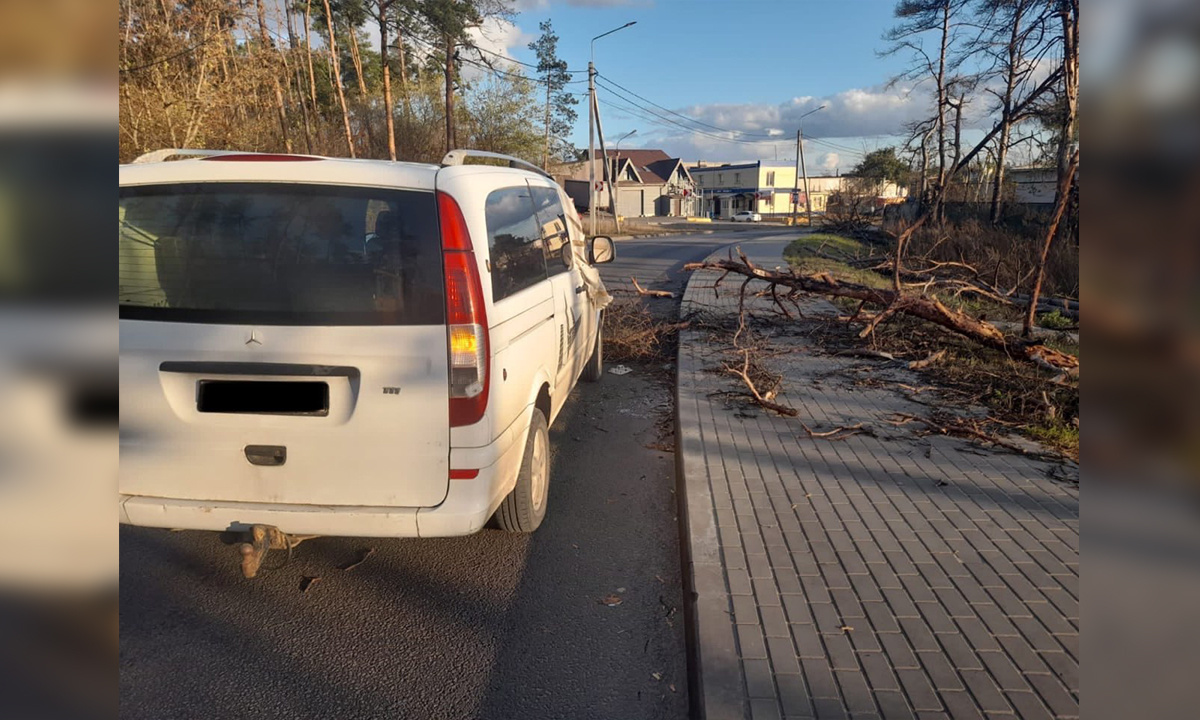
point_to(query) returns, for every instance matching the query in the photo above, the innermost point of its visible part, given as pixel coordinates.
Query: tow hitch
(263, 539)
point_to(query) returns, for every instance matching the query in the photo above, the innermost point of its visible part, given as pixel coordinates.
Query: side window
(552, 219)
(515, 240)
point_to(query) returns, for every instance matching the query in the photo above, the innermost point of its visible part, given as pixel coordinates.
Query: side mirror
(601, 250)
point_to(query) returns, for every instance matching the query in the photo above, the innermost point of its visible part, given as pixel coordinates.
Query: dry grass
(1004, 255)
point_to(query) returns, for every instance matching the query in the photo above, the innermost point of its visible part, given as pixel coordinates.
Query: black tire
(525, 507)
(594, 369)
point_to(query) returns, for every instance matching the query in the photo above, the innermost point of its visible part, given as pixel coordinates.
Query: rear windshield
(279, 254)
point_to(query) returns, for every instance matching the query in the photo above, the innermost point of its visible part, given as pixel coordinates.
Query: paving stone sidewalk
(879, 576)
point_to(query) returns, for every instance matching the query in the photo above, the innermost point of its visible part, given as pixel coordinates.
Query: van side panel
(523, 343)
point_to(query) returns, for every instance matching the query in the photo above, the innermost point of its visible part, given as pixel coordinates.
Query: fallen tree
(892, 302)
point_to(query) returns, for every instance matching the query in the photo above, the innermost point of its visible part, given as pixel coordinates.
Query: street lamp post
(800, 169)
(616, 179)
(592, 124)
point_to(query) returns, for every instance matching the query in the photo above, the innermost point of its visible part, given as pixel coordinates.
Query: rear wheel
(525, 507)
(594, 369)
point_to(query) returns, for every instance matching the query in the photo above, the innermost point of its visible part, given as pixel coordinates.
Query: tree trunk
(1064, 195)
(1010, 82)
(449, 42)
(941, 111)
(295, 94)
(1069, 11)
(958, 120)
(356, 58)
(280, 106)
(387, 78)
(312, 76)
(927, 308)
(337, 78)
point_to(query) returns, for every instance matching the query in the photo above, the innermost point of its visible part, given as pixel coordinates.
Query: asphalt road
(488, 626)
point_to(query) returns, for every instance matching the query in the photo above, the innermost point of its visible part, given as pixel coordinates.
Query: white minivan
(318, 346)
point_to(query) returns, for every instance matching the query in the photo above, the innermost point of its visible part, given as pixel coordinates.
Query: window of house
(737, 179)
(771, 179)
(720, 178)
(553, 220)
(515, 239)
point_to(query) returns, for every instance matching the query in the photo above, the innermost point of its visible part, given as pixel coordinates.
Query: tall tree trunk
(280, 106)
(449, 93)
(296, 93)
(1064, 195)
(384, 5)
(1010, 83)
(1069, 12)
(958, 120)
(356, 58)
(312, 76)
(337, 78)
(941, 110)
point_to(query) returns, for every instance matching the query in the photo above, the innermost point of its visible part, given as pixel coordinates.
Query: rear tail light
(466, 318)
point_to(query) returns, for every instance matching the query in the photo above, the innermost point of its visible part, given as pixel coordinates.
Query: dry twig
(650, 293)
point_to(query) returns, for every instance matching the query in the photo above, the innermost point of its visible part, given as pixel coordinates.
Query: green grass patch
(826, 252)
(1055, 320)
(1059, 435)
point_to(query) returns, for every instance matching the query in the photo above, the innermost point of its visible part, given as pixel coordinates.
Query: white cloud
(496, 37)
(855, 121)
(523, 5)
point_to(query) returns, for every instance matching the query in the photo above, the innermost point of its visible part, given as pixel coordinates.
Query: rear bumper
(467, 507)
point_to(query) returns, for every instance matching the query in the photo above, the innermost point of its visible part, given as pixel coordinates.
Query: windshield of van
(279, 254)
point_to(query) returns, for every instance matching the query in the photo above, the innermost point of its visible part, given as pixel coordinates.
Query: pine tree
(559, 115)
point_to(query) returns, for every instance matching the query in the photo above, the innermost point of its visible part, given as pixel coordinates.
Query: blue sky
(752, 66)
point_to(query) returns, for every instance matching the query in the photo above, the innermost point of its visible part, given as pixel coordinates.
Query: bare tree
(919, 18)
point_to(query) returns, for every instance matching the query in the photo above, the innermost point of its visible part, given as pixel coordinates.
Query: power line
(686, 117)
(776, 138)
(666, 121)
(430, 47)
(518, 62)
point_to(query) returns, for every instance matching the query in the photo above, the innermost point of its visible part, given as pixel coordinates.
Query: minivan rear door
(282, 343)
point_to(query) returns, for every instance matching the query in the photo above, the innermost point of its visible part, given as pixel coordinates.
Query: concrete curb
(715, 684)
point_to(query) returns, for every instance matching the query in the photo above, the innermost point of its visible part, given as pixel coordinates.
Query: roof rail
(165, 154)
(460, 155)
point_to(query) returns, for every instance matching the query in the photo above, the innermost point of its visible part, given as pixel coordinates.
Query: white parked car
(747, 216)
(316, 346)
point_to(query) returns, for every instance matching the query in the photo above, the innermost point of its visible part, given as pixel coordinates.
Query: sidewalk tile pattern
(880, 576)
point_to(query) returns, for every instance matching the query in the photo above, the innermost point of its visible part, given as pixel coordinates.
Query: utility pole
(616, 180)
(807, 197)
(612, 199)
(796, 185)
(800, 169)
(592, 145)
(592, 120)
(546, 154)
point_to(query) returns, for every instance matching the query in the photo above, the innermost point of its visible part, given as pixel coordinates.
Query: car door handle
(580, 289)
